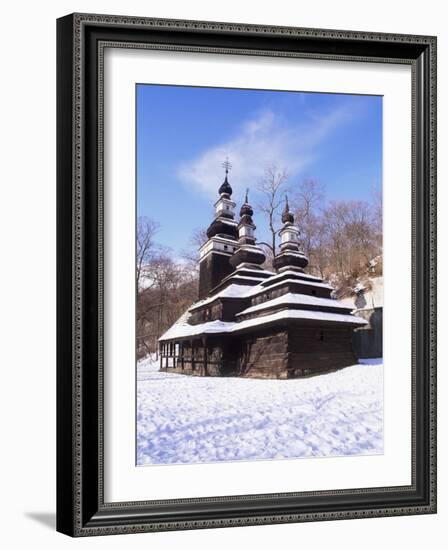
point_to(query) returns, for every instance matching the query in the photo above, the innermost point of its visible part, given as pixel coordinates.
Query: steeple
(290, 255)
(247, 252)
(222, 236)
(246, 227)
(224, 223)
(287, 217)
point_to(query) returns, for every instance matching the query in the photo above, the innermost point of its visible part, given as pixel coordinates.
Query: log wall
(276, 353)
(265, 356)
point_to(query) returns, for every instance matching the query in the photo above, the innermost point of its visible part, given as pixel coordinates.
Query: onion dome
(287, 217)
(246, 212)
(246, 208)
(225, 188)
(246, 227)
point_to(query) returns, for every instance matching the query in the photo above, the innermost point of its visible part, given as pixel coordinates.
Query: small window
(321, 336)
(225, 247)
(313, 292)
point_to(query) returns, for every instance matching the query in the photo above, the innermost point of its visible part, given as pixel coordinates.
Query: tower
(222, 241)
(290, 256)
(247, 255)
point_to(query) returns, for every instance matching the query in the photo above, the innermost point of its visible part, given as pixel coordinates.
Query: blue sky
(185, 133)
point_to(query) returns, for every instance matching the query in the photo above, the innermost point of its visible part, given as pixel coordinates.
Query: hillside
(365, 291)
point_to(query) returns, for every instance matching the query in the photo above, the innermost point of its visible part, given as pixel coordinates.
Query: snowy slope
(186, 419)
(373, 296)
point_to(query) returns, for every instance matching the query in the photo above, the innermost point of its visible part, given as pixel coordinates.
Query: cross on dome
(227, 166)
(225, 187)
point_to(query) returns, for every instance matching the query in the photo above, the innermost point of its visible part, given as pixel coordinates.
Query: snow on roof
(292, 253)
(243, 291)
(182, 329)
(241, 270)
(253, 247)
(258, 289)
(181, 321)
(297, 274)
(242, 267)
(231, 291)
(248, 277)
(298, 314)
(301, 299)
(228, 221)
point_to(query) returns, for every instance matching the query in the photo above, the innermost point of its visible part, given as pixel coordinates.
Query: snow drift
(188, 419)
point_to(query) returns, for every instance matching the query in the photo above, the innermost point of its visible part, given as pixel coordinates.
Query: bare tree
(173, 289)
(267, 249)
(318, 252)
(350, 238)
(191, 254)
(377, 202)
(145, 246)
(165, 287)
(272, 187)
(307, 202)
(309, 194)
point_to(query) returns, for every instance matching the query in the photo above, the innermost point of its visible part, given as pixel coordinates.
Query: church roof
(182, 329)
(290, 299)
(232, 291)
(294, 305)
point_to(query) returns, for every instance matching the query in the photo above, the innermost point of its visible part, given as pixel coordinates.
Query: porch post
(204, 345)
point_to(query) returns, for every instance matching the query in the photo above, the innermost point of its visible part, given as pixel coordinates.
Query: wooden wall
(273, 353)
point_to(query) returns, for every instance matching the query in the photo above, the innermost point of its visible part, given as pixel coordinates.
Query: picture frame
(81, 507)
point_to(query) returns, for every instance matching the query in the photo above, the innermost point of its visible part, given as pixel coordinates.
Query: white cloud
(261, 141)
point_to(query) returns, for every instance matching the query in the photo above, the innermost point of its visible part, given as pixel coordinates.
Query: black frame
(81, 510)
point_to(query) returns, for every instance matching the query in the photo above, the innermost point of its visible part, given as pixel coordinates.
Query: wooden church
(252, 322)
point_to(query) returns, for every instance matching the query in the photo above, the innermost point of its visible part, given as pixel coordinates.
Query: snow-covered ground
(189, 419)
